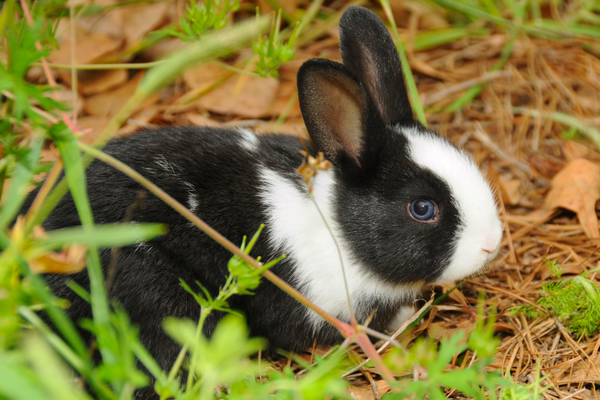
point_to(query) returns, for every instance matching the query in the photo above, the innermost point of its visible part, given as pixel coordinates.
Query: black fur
(375, 181)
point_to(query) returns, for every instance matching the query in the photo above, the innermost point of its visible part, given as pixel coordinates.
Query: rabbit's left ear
(369, 52)
(334, 107)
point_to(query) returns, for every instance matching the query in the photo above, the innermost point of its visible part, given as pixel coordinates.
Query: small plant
(203, 17)
(573, 302)
(271, 50)
(473, 381)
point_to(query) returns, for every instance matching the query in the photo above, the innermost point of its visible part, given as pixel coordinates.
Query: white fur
(193, 201)
(403, 314)
(473, 197)
(298, 229)
(249, 140)
(165, 164)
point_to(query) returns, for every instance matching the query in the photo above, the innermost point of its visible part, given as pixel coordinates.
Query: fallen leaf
(286, 93)
(140, 120)
(440, 330)
(365, 392)
(138, 20)
(88, 48)
(202, 74)
(68, 261)
(510, 190)
(107, 23)
(65, 95)
(587, 371)
(107, 104)
(577, 188)
(243, 95)
(94, 82)
(92, 126)
(162, 49)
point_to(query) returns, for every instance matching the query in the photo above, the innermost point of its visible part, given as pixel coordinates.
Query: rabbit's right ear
(369, 52)
(335, 110)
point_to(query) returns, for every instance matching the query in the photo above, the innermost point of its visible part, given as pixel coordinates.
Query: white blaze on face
(478, 239)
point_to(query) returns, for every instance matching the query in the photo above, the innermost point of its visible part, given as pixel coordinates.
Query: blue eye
(422, 210)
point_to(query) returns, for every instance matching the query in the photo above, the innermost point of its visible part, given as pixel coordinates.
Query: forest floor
(546, 174)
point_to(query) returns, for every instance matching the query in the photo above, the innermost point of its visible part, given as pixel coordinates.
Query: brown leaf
(585, 371)
(202, 74)
(365, 392)
(140, 19)
(88, 48)
(439, 330)
(246, 96)
(93, 82)
(107, 104)
(67, 261)
(107, 23)
(510, 190)
(91, 127)
(65, 95)
(577, 188)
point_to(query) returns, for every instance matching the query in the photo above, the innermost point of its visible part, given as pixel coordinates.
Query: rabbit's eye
(423, 210)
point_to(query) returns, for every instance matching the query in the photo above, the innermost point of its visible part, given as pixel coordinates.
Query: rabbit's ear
(335, 110)
(369, 52)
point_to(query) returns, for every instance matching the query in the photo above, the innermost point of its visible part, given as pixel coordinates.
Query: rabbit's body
(262, 187)
(407, 208)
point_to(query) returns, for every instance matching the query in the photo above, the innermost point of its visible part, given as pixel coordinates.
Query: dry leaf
(585, 371)
(88, 48)
(93, 82)
(286, 92)
(91, 127)
(202, 74)
(140, 120)
(107, 104)
(365, 392)
(243, 95)
(439, 330)
(510, 190)
(65, 95)
(140, 19)
(162, 49)
(107, 23)
(69, 261)
(577, 188)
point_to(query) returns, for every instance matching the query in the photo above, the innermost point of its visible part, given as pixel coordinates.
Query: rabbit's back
(216, 174)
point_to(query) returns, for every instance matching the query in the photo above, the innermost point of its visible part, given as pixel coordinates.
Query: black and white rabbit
(407, 207)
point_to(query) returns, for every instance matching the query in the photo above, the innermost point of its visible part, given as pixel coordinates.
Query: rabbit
(408, 209)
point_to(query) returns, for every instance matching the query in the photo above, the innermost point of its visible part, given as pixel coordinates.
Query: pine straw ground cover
(521, 151)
